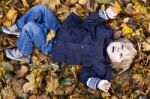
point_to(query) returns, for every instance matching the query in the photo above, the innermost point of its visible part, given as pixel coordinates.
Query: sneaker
(15, 54)
(10, 30)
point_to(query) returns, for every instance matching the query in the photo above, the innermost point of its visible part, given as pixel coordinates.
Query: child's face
(117, 51)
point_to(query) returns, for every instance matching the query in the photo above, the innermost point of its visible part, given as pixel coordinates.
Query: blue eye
(122, 46)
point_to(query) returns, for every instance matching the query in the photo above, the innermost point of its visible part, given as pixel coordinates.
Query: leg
(39, 14)
(33, 33)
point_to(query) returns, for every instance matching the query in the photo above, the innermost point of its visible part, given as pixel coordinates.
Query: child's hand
(111, 12)
(104, 85)
(145, 46)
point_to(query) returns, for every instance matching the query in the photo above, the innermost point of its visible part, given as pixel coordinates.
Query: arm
(101, 15)
(90, 78)
(72, 19)
(98, 16)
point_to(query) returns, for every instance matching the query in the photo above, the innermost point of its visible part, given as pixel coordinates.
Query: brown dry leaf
(51, 4)
(2, 57)
(17, 87)
(7, 66)
(39, 97)
(80, 10)
(30, 86)
(10, 17)
(114, 97)
(23, 10)
(76, 96)
(149, 26)
(35, 60)
(138, 78)
(148, 40)
(126, 20)
(71, 1)
(124, 97)
(73, 70)
(7, 93)
(35, 80)
(25, 4)
(145, 46)
(63, 11)
(22, 71)
(138, 31)
(52, 82)
(104, 1)
(69, 89)
(36, 2)
(59, 91)
(105, 94)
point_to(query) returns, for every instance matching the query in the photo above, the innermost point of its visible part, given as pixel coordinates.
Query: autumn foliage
(43, 79)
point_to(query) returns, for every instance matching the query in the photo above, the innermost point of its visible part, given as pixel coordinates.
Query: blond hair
(127, 61)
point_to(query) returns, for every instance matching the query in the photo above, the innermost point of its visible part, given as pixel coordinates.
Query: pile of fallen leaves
(43, 79)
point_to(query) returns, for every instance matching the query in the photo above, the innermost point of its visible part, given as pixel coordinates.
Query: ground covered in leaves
(42, 79)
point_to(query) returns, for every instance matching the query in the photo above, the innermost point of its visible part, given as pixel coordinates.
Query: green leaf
(66, 81)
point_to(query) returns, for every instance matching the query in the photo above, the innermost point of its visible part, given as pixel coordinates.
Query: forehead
(117, 43)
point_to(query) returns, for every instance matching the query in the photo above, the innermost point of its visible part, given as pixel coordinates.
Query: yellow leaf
(25, 4)
(117, 6)
(50, 35)
(139, 7)
(23, 62)
(11, 13)
(7, 23)
(126, 29)
(2, 72)
(82, 2)
(10, 17)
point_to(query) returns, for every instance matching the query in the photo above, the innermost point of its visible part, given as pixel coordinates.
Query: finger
(112, 4)
(107, 88)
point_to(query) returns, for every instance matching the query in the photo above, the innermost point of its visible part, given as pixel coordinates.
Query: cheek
(115, 58)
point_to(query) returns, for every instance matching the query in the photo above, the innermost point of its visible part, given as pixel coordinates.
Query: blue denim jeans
(34, 27)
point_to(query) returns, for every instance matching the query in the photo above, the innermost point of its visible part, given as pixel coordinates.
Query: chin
(108, 49)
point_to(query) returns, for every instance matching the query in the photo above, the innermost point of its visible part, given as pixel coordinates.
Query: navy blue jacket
(84, 42)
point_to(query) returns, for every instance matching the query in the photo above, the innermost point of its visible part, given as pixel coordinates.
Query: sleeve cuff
(93, 82)
(103, 14)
